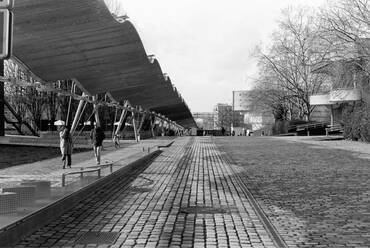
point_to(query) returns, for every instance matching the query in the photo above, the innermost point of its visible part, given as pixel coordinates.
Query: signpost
(5, 51)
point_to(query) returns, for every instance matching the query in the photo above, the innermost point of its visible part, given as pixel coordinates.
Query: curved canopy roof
(80, 39)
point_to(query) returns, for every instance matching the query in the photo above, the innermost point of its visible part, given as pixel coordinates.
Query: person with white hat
(66, 146)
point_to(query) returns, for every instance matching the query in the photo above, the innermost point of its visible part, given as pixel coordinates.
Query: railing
(83, 170)
(308, 126)
(98, 168)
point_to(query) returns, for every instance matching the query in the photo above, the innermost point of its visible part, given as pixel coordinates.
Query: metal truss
(75, 91)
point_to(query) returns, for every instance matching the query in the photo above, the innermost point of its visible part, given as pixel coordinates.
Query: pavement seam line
(270, 228)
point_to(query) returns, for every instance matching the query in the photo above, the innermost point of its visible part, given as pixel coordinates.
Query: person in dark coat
(97, 136)
(66, 146)
(223, 131)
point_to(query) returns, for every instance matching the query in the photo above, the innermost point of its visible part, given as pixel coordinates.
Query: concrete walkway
(188, 197)
(51, 169)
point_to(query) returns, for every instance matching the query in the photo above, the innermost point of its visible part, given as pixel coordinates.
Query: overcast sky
(205, 45)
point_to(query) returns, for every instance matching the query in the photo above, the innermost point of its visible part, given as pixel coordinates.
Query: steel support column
(141, 123)
(152, 124)
(162, 127)
(77, 118)
(2, 98)
(70, 103)
(96, 109)
(123, 115)
(134, 125)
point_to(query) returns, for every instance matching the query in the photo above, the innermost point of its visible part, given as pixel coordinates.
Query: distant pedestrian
(116, 141)
(97, 136)
(66, 146)
(223, 131)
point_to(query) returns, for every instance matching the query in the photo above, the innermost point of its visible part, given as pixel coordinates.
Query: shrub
(280, 127)
(285, 126)
(356, 119)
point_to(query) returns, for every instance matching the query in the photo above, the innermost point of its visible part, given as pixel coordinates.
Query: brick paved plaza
(315, 195)
(194, 195)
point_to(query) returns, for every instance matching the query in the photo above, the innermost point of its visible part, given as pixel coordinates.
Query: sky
(205, 46)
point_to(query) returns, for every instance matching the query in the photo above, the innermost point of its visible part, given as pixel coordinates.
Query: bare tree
(286, 68)
(22, 95)
(345, 26)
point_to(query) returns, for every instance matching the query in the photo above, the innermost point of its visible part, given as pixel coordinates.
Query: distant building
(242, 101)
(238, 119)
(248, 116)
(259, 120)
(204, 120)
(223, 116)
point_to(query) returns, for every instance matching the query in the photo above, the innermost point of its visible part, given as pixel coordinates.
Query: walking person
(97, 136)
(116, 141)
(66, 146)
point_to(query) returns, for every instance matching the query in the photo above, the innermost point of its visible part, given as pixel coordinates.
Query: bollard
(82, 172)
(148, 149)
(99, 172)
(111, 167)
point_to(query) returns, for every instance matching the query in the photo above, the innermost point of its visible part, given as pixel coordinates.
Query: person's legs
(64, 160)
(98, 150)
(95, 152)
(116, 142)
(69, 157)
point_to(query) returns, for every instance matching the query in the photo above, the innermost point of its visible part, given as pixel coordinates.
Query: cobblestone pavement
(188, 197)
(316, 193)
